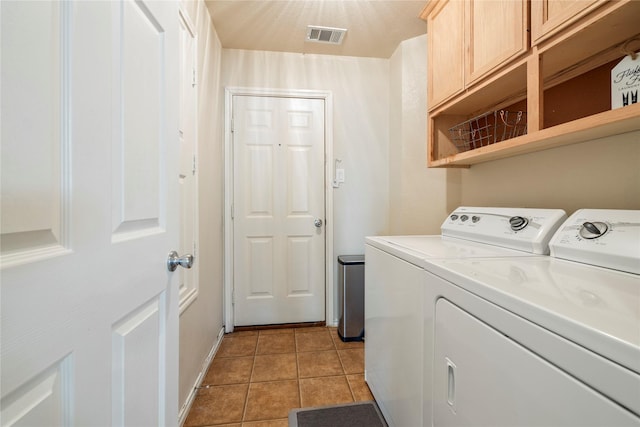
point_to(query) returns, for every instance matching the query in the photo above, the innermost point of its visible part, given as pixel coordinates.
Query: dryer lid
(602, 237)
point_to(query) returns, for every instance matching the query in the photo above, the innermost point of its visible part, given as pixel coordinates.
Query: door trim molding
(187, 297)
(327, 96)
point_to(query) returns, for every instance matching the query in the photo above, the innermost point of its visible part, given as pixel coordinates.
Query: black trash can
(351, 297)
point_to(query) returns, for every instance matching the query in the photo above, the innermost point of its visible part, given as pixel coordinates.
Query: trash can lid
(351, 259)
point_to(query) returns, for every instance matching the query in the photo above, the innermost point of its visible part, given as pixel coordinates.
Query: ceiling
(375, 27)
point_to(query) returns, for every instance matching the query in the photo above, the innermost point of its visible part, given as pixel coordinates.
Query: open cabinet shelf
(599, 125)
(561, 83)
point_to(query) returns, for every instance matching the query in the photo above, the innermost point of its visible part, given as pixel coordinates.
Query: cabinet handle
(451, 384)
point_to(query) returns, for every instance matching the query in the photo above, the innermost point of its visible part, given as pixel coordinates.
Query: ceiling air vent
(325, 34)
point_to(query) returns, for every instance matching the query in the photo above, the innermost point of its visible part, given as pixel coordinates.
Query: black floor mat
(361, 414)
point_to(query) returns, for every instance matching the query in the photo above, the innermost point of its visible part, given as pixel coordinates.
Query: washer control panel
(518, 223)
(524, 229)
(603, 237)
(593, 230)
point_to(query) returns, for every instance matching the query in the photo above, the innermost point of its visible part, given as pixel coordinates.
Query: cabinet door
(550, 16)
(484, 378)
(497, 32)
(445, 48)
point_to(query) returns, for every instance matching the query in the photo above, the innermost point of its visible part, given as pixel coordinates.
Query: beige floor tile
(352, 360)
(218, 405)
(271, 400)
(306, 330)
(314, 341)
(278, 331)
(278, 343)
(237, 346)
(324, 391)
(273, 367)
(283, 422)
(319, 364)
(359, 388)
(229, 370)
(268, 359)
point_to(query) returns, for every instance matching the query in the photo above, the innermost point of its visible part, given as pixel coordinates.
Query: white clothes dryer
(395, 278)
(541, 340)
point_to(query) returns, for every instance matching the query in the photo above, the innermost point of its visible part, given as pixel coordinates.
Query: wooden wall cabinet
(550, 16)
(497, 33)
(445, 51)
(468, 39)
(562, 82)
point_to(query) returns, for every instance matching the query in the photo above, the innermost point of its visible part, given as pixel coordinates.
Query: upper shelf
(607, 123)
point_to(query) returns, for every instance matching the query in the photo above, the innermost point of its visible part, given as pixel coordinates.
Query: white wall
(420, 198)
(602, 173)
(201, 322)
(360, 88)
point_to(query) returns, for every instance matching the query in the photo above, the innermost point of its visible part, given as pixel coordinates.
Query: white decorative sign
(625, 82)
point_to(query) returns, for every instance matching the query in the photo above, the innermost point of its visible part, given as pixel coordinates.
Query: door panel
(137, 143)
(34, 137)
(278, 194)
(89, 317)
(136, 347)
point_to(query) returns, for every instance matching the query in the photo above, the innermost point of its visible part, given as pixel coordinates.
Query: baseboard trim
(184, 411)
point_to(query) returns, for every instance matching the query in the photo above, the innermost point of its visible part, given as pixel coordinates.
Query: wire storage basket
(489, 128)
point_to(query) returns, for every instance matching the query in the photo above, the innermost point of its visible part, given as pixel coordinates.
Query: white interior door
(89, 164)
(278, 210)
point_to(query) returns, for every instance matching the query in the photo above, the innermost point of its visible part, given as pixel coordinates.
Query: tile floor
(256, 377)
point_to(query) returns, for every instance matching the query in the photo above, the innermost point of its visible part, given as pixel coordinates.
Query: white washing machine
(395, 295)
(540, 341)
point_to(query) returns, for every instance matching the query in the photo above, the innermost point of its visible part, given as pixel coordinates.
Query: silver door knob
(318, 222)
(174, 260)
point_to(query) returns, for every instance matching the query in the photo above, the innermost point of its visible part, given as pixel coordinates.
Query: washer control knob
(593, 230)
(463, 218)
(453, 217)
(475, 218)
(517, 223)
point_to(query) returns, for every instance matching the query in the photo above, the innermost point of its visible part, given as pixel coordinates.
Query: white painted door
(89, 173)
(278, 181)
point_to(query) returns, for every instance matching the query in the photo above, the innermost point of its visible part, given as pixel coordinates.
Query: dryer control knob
(593, 230)
(518, 222)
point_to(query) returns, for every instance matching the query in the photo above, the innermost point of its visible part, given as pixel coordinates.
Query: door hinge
(233, 296)
(193, 170)
(231, 210)
(232, 125)
(193, 81)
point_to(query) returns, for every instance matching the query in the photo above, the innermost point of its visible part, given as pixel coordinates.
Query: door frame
(327, 96)
(186, 298)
